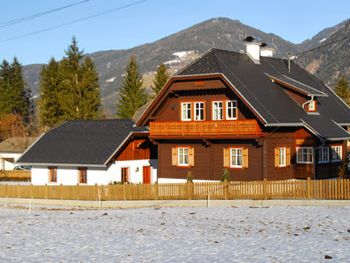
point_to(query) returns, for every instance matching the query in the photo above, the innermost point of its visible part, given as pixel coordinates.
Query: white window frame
(236, 155)
(304, 151)
(199, 106)
(233, 108)
(214, 108)
(323, 155)
(188, 106)
(282, 156)
(181, 152)
(339, 150)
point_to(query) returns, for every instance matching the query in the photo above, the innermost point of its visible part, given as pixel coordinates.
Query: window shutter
(245, 158)
(277, 157)
(287, 156)
(174, 157)
(191, 156)
(226, 157)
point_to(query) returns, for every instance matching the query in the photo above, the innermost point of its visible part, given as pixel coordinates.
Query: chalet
(92, 152)
(258, 116)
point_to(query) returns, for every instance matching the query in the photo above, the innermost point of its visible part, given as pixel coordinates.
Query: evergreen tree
(15, 97)
(160, 78)
(79, 96)
(342, 89)
(132, 94)
(49, 109)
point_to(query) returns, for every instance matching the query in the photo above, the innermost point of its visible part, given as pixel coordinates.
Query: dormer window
(312, 106)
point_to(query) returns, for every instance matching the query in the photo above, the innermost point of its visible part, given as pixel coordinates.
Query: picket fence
(15, 176)
(338, 189)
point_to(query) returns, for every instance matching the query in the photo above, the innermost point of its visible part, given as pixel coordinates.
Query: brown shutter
(226, 157)
(174, 157)
(277, 157)
(191, 156)
(287, 156)
(245, 158)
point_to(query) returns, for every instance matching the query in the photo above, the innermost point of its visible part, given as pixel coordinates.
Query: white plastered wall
(8, 160)
(69, 175)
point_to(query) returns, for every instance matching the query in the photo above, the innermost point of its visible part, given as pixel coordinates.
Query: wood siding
(138, 149)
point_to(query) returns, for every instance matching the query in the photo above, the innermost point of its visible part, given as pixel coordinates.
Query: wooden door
(147, 174)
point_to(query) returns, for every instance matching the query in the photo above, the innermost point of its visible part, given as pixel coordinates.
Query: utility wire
(74, 21)
(321, 46)
(31, 17)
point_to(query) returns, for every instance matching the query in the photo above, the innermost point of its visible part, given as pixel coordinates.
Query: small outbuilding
(92, 152)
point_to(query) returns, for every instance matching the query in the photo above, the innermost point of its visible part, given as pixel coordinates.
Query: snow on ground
(243, 234)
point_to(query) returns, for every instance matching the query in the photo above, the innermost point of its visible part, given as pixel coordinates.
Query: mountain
(179, 49)
(331, 62)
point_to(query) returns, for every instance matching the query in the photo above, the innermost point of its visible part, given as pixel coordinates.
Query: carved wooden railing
(205, 128)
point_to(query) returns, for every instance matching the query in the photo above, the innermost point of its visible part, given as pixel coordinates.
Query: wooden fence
(338, 189)
(15, 176)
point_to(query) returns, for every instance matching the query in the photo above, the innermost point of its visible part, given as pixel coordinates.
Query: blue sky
(294, 20)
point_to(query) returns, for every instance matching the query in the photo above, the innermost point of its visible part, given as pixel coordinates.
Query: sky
(136, 22)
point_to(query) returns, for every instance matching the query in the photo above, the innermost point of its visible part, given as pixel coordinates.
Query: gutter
(63, 164)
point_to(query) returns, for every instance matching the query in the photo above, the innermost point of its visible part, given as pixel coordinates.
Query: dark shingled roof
(268, 99)
(82, 142)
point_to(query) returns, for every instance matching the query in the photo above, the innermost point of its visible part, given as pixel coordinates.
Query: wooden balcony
(239, 128)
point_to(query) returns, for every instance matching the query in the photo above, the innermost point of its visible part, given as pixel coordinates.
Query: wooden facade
(138, 148)
(200, 140)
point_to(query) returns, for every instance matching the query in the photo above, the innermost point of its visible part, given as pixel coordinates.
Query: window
(336, 153)
(282, 156)
(82, 173)
(125, 174)
(53, 175)
(186, 111)
(217, 110)
(312, 106)
(231, 110)
(236, 157)
(183, 154)
(304, 155)
(323, 155)
(199, 111)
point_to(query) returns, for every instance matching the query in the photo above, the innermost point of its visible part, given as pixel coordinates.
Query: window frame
(52, 174)
(195, 110)
(213, 110)
(313, 108)
(302, 161)
(183, 164)
(122, 175)
(284, 156)
(340, 155)
(236, 157)
(82, 172)
(235, 109)
(182, 111)
(323, 159)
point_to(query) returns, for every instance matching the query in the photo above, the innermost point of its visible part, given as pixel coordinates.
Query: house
(11, 149)
(258, 116)
(92, 152)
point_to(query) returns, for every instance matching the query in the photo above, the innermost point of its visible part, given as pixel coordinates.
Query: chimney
(253, 49)
(266, 51)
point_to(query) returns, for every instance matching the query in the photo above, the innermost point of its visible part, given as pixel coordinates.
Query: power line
(74, 21)
(31, 17)
(321, 46)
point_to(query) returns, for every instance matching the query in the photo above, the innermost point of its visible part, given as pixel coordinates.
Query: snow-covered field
(243, 234)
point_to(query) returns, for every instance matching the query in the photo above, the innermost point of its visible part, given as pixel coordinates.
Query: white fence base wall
(104, 176)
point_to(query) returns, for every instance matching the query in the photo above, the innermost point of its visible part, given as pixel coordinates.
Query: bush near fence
(338, 189)
(15, 176)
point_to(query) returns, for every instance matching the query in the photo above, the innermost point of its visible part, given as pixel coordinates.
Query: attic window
(312, 106)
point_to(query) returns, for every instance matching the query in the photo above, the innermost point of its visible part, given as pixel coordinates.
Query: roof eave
(62, 164)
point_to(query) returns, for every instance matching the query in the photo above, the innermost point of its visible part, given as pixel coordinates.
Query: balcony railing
(205, 128)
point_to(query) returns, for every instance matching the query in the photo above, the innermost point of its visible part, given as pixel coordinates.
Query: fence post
(60, 191)
(124, 191)
(225, 189)
(156, 190)
(265, 188)
(77, 190)
(308, 188)
(46, 191)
